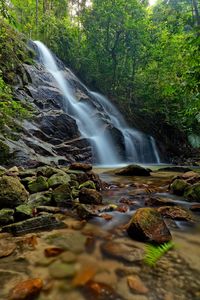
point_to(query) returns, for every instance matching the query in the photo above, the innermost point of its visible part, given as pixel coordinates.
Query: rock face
(133, 170)
(90, 196)
(12, 192)
(147, 225)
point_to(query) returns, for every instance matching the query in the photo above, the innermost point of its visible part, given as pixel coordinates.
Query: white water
(138, 146)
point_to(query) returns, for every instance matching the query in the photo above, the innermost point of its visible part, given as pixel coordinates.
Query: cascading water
(138, 146)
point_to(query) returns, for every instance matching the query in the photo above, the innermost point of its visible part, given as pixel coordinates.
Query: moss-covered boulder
(38, 185)
(58, 179)
(192, 193)
(40, 199)
(48, 171)
(133, 170)
(178, 186)
(23, 212)
(90, 196)
(87, 184)
(6, 216)
(62, 195)
(12, 192)
(147, 225)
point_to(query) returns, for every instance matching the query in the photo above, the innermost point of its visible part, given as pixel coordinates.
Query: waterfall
(138, 147)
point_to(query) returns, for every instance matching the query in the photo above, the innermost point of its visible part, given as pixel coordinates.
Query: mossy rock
(58, 179)
(87, 184)
(178, 186)
(23, 212)
(147, 225)
(40, 199)
(62, 195)
(192, 193)
(12, 192)
(4, 153)
(38, 185)
(90, 196)
(6, 216)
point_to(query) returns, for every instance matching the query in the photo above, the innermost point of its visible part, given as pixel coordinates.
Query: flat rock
(147, 225)
(175, 213)
(44, 222)
(80, 166)
(133, 170)
(159, 201)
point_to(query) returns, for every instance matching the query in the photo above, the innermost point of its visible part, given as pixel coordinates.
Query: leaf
(154, 253)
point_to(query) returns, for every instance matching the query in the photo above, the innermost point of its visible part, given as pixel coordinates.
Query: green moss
(4, 153)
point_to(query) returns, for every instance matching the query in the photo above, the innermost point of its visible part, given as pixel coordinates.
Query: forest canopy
(145, 57)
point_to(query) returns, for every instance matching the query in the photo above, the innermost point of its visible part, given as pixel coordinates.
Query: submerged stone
(148, 225)
(175, 213)
(62, 270)
(44, 222)
(12, 192)
(133, 170)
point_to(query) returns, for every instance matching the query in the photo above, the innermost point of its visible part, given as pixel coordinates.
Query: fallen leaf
(53, 251)
(84, 275)
(136, 284)
(26, 289)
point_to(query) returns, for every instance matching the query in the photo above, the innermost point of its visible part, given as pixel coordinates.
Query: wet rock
(136, 284)
(175, 213)
(175, 169)
(80, 166)
(133, 170)
(62, 270)
(195, 207)
(159, 201)
(38, 185)
(71, 240)
(53, 251)
(96, 179)
(39, 199)
(27, 173)
(6, 216)
(48, 171)
(14, 171)
(68, 257)
(26, 289)
(12, 192)
(125, 252)
(58, 179)
(191, 175)
(85, 211)
(148, 225)
(23, 212)
(88, 184)
(44, 222)
(192, 193)
(178, 186)
(90, 196)
(62, 195)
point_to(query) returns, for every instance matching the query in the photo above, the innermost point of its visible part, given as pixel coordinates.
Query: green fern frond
(154, 253)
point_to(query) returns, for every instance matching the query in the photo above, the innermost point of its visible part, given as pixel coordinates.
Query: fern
(154, 253)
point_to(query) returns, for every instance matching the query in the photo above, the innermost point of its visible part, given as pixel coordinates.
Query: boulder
(90, 196)
(192, 193)
(6, 216)
(58, 179)
(148, 225)
(38, 185)
(133, 170)
(178, 186)
(48, 171)
(41, 198)
(175, 213)
(159, 201)
(88, 184)
(12, 192)
(62, 195)
(80, 166)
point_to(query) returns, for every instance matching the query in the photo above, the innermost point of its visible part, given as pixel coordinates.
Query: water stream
(138, 147)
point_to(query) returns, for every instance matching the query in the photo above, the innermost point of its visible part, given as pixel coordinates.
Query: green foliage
(153, 253)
